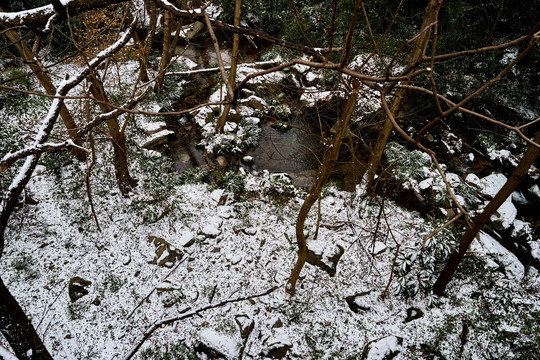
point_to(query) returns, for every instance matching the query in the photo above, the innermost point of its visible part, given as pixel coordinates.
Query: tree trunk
(418, 51)
(315, 190)
(123, 178)
(168, 47)
(234, 62)
(18, 329)
(520, 173)
(38, 69)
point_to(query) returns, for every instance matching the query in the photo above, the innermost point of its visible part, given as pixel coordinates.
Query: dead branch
(190, 314)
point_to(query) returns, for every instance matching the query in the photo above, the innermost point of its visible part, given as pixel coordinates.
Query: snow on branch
(25, 172)
(40, 16)
(10, 158)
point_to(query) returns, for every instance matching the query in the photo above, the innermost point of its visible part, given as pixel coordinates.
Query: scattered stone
(277, 348)
(379, 247)
(126, 259)
(255, 102)
(277, 324)
(491, 184)
(383, 349)
(245, 324)
(519, 198)
(222, 161)
(534, 191)
(325, 257)
(219, 196)
(77, 288)
(212, 228)
(356, 302)
(152, 128)
(473, 179)
(248, 160)
(487, 245)
(97, 301)
(225, 212)
(505, 215)
(166, 254)
(217, 346)
(413, 313)
(186, 239)
(250, 231)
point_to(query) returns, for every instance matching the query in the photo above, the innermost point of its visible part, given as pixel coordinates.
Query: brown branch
(244, 30)
(184, 316)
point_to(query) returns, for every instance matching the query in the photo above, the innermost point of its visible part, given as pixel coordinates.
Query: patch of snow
(473, 179)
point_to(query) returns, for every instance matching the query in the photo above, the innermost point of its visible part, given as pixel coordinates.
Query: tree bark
(418, 51)
(520, 173)
(18, 329)
(234, 62)
(118, 139)
(38, 69)
(315, 190)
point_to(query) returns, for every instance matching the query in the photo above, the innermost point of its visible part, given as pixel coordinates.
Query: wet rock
(166, 254)
(413, 313)
(357, 303)
(77, 288)
(222, 161)
(245, 324)
(325, 257)
(383, 349)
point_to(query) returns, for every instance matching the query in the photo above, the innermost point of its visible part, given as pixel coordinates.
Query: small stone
(413, 313)
(186, 239)
(77, 288)
(245, 325)
(356, 303)
(250, 231)
(222, 161)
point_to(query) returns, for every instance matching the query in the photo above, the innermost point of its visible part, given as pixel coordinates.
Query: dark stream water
(277, 151)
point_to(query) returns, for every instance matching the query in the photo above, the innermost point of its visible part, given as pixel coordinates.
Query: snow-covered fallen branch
(10, 158)
(187, 315)
(258, 64)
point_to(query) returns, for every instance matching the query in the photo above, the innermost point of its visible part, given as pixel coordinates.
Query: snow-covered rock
(219, 345)
(151, 128)
(491, 184)
(212, 227)
(487, 245)
(473, 179)
(157, 139)
(385, 348)
(505, 215)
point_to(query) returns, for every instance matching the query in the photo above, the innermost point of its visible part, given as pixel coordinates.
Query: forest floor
(178, 244)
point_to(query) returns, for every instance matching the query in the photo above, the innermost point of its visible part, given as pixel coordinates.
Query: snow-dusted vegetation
(164, 223)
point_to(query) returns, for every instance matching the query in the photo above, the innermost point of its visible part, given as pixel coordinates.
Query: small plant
(25, 268)
(233, 183)
(277, 187)
(416, 266)
(113, 283)
(195, 175)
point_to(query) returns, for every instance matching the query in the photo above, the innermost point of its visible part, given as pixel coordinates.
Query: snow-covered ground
(171, 248)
